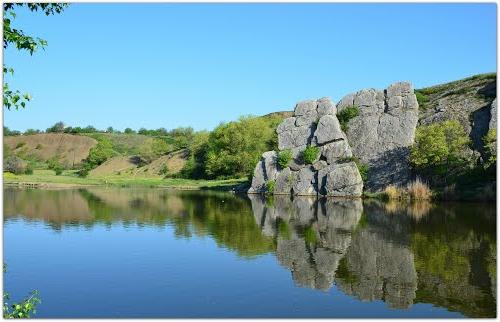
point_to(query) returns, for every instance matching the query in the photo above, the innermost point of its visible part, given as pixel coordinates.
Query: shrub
(393, 192)
(362, 168)
(418, 190)
(346, 115)
(490, 145)
(14, 164)
(440, 148)
(29, 169)
(270, 185)
(310, 154)
(164, 170)
(100, 153)
(39, 146)
(284, 158)
(422, 99)
(82, 173)
(20, 145)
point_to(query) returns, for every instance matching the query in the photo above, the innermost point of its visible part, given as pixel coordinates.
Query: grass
(418, 190)
(69, 177)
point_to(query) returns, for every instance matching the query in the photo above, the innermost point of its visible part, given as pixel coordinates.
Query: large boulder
(265, 170)
(341, 180)
(380, 136)
(328, 130)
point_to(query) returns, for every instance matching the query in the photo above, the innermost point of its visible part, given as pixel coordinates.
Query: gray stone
(304, 183)
(493, 112)
(284, 182)
(328, 130)
(307, 119)
(380, 136)
(305, 107)
(318, 165)
(340, 180)
(287, 125)
(326, 107)
(336, 150)
(265, 170)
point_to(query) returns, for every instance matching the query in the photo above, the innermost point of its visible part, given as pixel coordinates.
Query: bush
(39, 146)
(284, 158)
(153, 148)
(14, 164)
(440, 148)
(418, 190)
(362, 168)
(100, 153)
(393, 192)
(164, 170)
(490, 146)
(234, 148)
(270, 185)
(20, 145)
(29, 169)
(346, 115)
(310, 154)
(82, 173)
(422, 99)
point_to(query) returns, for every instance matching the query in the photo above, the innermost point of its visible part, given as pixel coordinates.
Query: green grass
(69, 177)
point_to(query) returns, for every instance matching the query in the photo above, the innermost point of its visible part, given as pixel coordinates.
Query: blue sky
(170, 65)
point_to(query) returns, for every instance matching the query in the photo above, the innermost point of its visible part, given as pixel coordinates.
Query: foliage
(31, 132)
(362, 168)
(195, 165)
(310, 154)
(56, 128)
(346, 115)
(99, 153)
(20, 145)
(490, 146)
(21, 310)
(53, 164)
(29, 169)
(152, 148)
(14, 164)
(393, 192)
(234, 148)
(284, 158)
(8, 132)
(440, 148)
(164, 170)
(422, 99)
(270, 185)
(23, 42)
(128, 131)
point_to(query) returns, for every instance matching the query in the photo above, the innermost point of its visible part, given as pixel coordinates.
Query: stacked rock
(332, 173)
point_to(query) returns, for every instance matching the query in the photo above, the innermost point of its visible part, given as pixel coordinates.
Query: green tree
(153, 148)
(440, 148)
(22, 42)
(100, 153)
(235, 147)
(56, 128)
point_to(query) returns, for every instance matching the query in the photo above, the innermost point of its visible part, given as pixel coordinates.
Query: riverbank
(69, 179)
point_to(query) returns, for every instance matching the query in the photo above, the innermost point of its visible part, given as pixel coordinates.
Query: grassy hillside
(69, 149)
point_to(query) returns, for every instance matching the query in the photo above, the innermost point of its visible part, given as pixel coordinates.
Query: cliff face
(382, 133)
(468, 101)
(331, 172)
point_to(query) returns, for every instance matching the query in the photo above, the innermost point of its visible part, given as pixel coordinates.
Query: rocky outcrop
(333, 173)
(381, 134)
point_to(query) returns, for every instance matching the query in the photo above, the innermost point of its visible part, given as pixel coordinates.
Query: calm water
(157, 253)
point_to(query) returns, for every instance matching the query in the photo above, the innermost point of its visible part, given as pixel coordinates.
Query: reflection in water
(443, 254)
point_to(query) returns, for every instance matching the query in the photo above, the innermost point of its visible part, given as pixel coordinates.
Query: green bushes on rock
(440, 149)
(270, 185)
(490, 145)
(346, 115)
(310, 154)
(284, 158)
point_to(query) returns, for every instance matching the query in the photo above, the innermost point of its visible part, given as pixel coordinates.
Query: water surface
(108, 252)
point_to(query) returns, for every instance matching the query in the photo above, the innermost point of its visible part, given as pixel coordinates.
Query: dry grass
(418, 190)
(114, 165)
(419, 209)
(393, 192)
(69, 149)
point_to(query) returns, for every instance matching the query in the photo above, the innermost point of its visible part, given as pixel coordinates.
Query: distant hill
(69, 149)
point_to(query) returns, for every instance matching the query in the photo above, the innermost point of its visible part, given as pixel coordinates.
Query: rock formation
(333, 173)
(381, 134)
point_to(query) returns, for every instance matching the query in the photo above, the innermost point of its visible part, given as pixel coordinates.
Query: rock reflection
(312, 236)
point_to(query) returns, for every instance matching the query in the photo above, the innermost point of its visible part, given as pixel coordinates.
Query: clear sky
(170, 65)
